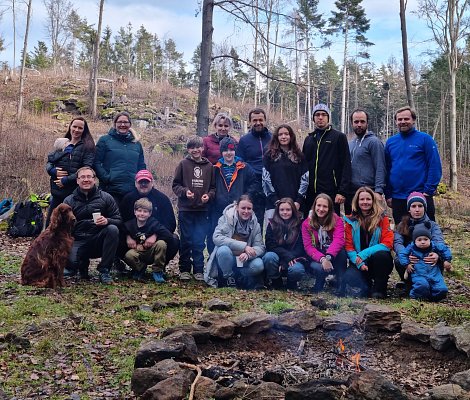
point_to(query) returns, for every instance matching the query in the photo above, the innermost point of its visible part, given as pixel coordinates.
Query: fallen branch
(199, 373)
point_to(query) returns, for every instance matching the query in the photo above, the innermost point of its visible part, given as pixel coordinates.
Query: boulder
(198, 332)
(298, 321)
(324, 389)
(205, 389)
(370, 385)
(190, 352)
(174, 388)
(218, 305)
(462, 379)
(461, 338)
(241, 390)
(218, 325)
(416, 332)
(448, 392)
(441, 337)
(375, 318)
(253, 322)
(339, 322)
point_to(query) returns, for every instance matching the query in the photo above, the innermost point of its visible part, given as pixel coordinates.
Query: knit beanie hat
(227, 143)
(416, 197)
(422, 230)
(321, 107)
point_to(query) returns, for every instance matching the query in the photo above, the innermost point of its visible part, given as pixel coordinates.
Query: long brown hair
(274, 148)
(330, 221)
(368, 222)
(87, 139)
(286, 232)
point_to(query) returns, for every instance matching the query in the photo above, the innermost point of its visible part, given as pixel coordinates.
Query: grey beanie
(423, 229)
(321, 107)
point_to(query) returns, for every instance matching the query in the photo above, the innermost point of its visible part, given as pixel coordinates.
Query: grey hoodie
(367, 163)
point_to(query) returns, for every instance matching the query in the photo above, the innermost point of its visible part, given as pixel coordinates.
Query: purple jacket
(311, 241)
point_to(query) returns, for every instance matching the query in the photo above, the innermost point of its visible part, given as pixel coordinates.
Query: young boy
(147, 241)
(427, 280)
(194, 184)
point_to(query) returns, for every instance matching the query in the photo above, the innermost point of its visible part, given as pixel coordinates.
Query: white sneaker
(199, 276)
(185, 276)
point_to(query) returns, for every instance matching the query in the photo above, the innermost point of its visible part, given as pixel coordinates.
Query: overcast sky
(176, 19)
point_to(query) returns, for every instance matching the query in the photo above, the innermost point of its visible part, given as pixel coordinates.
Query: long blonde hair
(368, 222)
(330, 221)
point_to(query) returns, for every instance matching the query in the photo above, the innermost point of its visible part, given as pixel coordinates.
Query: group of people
(229, 192)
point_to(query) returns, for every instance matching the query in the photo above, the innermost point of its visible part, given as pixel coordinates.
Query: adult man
(367, 159)
(327, 153)
(413, 164)
(251, 149)
(96, 231)
(162, 210)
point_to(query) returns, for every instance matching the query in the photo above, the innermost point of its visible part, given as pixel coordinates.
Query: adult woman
(369, 240)
(285, 171)
(323, 240)
(119, 155)
(222, 124)
(285, 251)
(63, 164)
(416, 205)
(239, 246)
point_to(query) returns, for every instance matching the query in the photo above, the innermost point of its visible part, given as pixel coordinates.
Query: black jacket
(329, 163)
(70, 162)
(285, 252)
(84, 205)
(161, 204)
(151, 227)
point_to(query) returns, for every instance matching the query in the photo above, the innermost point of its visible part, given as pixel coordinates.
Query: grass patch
(277, 307)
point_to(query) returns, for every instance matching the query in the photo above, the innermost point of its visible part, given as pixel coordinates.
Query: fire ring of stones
(299, 355)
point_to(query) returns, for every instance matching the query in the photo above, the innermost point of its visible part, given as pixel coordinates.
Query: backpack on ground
(27, 220)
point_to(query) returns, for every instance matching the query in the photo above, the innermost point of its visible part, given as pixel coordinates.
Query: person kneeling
(427, 280)
(147, 241)
(238, 248)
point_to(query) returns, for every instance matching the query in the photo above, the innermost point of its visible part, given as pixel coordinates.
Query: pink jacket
(311, 242)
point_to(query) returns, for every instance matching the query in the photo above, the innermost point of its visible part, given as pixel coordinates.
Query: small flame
(355, 360)
(340, 346)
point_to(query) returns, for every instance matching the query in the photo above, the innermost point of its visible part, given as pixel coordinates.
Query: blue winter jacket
(413, 164)
(252, 147)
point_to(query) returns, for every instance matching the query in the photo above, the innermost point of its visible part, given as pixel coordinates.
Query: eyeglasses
(123, 123)
(321, 114)
(86, 177)
(143, 182)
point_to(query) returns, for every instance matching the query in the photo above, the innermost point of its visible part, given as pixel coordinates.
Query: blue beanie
(321, 107)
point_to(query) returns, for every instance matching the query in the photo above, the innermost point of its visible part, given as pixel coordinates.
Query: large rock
(174, 388)
(253, 322)
(190, 352)
(415, 331)
(461, 337)
(375, 317)
(298, 321)
(462, 379)
(205, 389)
(339, 322)
(218, 305)
(241, 390)
(144, 378)
(218, 325)
(323, 389)
(441, 337)
(198, 332)
(448, 392)
(370, 385)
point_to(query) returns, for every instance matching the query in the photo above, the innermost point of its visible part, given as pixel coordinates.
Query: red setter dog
(48, 255)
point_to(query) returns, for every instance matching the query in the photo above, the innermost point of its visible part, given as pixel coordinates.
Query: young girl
(369, 240)
(238, 248)
(286, 255)
(285, 171)
(323, 239)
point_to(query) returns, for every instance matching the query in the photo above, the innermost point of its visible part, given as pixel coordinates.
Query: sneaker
(105, 278)
(158, 277)
(69, 272)
(198, 276)
(185, 276)
(230, 282)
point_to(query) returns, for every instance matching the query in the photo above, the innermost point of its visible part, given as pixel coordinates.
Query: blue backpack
(5, 205)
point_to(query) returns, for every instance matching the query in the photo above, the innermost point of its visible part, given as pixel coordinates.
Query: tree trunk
(345, 83)
(95, 65)
(453, 132)
(23, 63)
(404, 45)
(205, 73)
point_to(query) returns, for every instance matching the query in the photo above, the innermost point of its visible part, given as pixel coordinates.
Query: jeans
(193, 227)
(104, 245)
(339, 268)
(249, 276)
(295, 273)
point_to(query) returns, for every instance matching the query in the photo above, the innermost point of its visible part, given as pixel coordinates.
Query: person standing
(62, 165)
(413, 165)
(367, 159)
(329, 163)
(222, 124)
(119, 155)
(251, 149)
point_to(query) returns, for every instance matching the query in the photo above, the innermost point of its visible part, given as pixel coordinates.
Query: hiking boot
(230, 282)
(138, 276)
(105, 278)
(198, 276)
(158, 277)
(185, 276)
(68, 273)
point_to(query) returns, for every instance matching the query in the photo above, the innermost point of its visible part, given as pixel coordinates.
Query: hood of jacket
(134, 136)
(231, 216)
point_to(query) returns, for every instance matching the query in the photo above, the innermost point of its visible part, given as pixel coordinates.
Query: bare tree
(404, 45)
(23, 63)
(95, 64)
(450, 26)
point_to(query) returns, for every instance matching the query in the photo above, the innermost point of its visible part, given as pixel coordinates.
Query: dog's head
(62, 218)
